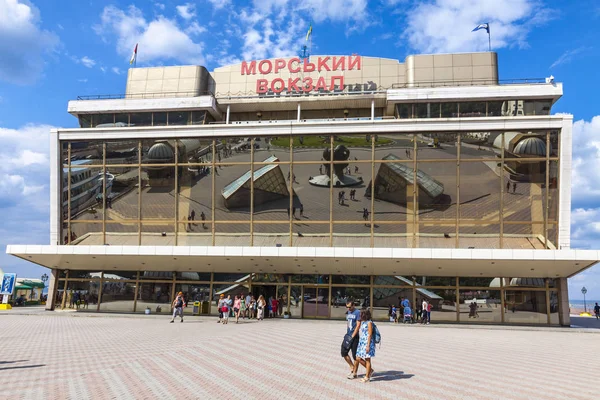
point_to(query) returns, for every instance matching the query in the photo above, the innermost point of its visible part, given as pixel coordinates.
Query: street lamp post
(584, 291)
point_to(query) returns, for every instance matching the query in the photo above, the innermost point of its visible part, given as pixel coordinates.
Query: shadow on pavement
(23, 367)
(585, 322)
(390, 376)
(12, 362)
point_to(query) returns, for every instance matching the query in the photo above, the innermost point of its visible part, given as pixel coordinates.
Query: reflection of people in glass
(473, 310)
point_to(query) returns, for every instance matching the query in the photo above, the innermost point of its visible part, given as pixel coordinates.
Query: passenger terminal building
(317, 181)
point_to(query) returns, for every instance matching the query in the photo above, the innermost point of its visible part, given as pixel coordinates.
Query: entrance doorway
(278, 292)
(316, 302)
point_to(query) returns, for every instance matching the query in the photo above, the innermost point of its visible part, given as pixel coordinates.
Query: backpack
(376, 334)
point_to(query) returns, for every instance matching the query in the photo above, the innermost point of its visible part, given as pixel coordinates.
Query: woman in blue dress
(366, 344)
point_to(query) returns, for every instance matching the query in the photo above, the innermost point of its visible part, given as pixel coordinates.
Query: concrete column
(564, 319)
(299, 112)
(52, 286)
(228, 111)
(372, 109)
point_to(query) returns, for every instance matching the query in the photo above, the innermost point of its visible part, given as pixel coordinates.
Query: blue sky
(50, 55)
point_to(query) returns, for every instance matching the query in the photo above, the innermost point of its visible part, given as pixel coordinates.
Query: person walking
(260, 305)
(178, 305)
(429, 308)
(507, 186)
(270, 307)
(301, 210)
(203, 218)
(350, 343)
(220, 307)
(248, 311)
(597, 311)
(514, 187)
(242, 306)
(226, 308)
(193, 215)
(237, 307)
(274, 306)
(366, 345)
(424, 306)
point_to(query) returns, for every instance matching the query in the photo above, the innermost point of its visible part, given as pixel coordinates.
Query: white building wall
(55, 188)
(565, 170)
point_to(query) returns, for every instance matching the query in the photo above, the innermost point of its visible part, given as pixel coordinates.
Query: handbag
(347, 342)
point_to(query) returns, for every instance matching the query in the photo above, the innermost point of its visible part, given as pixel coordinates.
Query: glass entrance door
(316, 302)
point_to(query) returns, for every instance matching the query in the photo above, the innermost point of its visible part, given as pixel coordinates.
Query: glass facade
(109, 120)
(442, 190)
(473, 109)
(453, 299)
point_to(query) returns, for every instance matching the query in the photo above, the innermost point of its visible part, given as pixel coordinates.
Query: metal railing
(159, 95)
(469, 82)
(349, 90)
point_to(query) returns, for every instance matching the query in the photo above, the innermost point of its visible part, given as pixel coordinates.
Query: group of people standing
(248, 307)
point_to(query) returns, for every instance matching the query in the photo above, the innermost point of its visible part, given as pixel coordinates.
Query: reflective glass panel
(179, 117)
(86, 153)
(341, 295)
(140, 119)
(385, 298)
(156, 297)
(525, 306)
(480, 306)
(117, 296)
(83, 233)
(193, 293)
(79, 295)
(443, 305)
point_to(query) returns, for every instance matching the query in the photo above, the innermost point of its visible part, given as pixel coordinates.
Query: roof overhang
(206, 103)
(472, 93)
(307, 260)
(286, 128)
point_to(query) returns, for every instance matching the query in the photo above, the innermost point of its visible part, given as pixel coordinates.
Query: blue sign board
(8, 284)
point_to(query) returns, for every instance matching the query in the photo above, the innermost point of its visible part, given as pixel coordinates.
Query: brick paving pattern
(66, 356)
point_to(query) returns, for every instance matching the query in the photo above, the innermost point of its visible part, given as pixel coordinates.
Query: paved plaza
(61, 355)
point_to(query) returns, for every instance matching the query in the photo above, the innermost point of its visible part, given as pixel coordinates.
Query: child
(394, 316)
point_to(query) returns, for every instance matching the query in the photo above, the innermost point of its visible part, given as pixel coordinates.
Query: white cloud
(87, 62)
(195, 29)
(318, 10)
(186, 11)
(586, 163)
(159, 5)
(219, 4)
(585, 217)
(24, 192)
(83, 80)
(159, 39)
(23, 43)
(23, 166)
(567, 56)
(443, 26)
(116, 70)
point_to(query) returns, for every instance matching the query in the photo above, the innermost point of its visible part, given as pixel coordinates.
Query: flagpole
(489, 39)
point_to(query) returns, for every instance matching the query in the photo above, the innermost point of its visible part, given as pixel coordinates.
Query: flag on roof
(134, 55)
(309, 33)
(485, 26)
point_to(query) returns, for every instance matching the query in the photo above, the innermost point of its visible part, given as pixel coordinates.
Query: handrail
(158, 95)
(347, 92)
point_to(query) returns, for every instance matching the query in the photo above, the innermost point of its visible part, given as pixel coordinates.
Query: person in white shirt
(424, 311)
